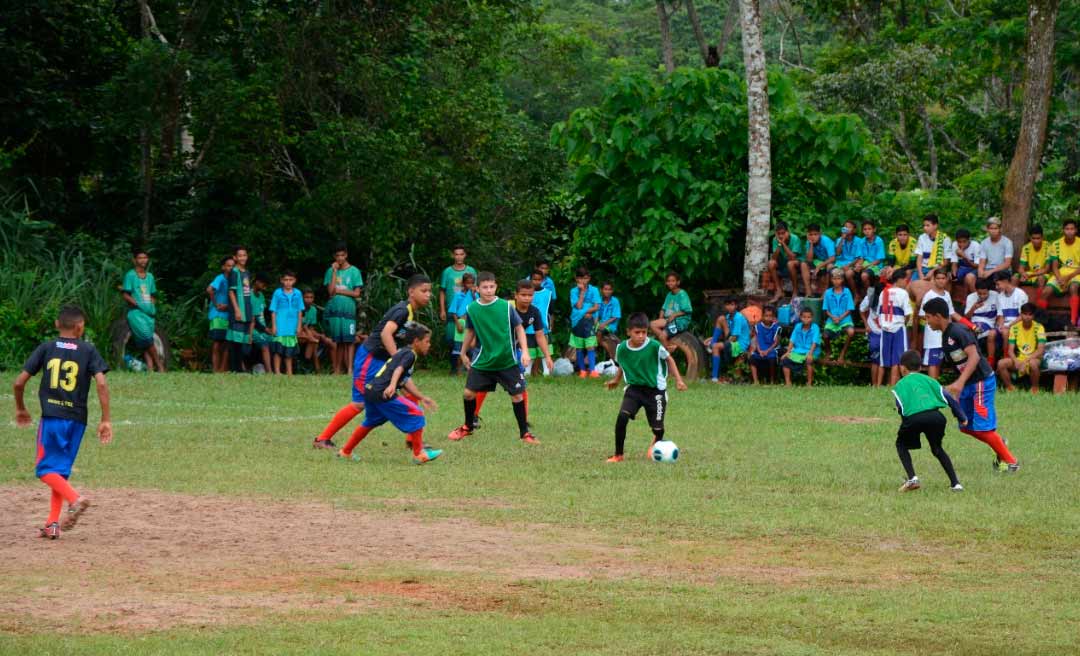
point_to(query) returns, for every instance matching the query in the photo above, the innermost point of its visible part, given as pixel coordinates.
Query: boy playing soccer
(839, 305)
(805, 343)
(241, 322)
(344, 284)
(286, 316)
(379, 346)
(139, 292)
(218, 291)
(919, 399)
(493, 323)
(765, 346)
(584, 303)
(456, 316)
(644, 364)
(1065, 264)
(894, 312)
(1034, 267)
(70, 364)
(730, 337)
(975, 384)
(1024, 352)
(384, 403)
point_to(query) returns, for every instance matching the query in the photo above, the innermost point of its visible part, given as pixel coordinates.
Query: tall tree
(759, 186)
(664, 15)
(1038, 87)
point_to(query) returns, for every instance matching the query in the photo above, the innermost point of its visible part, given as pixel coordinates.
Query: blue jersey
(549, 285)
(802, 339)
(766, 335)
(740, 329)
(220, 285)
(873, 250)
(287, 309)
(610, 310)
(847, 250)
(542, 302)
(823, 250)
(837, 303)
(592, 297)
(461, 302)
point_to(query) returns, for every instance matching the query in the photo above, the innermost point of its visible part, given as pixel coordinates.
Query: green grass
(782, 529)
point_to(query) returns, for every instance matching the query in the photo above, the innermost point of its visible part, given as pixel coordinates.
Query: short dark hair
(458, 247)
(1002, 275)
(911, 360)
(673, 274)
(769, 309)
(963, 233)
(932, 218)
(70, 315)
(638, 320)
(239, 247)
(731, 299)
(307, 290)
(136, 252)
(607, 283)
(868, 222)
(937, 307)
(414, 330)
(1067, 222)
(468, 276)
(418, 279)
(524, 284)
(1028, 308)
(581, 272)
(288, 273)
(903, 227)
(806, 310)
(226, 259)
(541, 261)
(984, 283)
(897, 276)
(536, 272)
(484, 276)
(813, 227)
(1035, 230)
(780, 225)
(341, 247)
(940, 271)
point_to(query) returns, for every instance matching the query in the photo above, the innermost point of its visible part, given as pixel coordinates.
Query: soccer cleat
(1013, 468)
(1000, 465)
(74, 512)
(427, 454)
(615, 458)
(648, 451)
(323, 444)
(911, 485)
(957, 488)
(50, 531)
(355, 457)
(459, 433)
(594, 374)
(529, 438)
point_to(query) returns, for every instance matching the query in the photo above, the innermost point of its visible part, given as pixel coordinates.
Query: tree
(759, 183)
(1038, 87)
(665, 34)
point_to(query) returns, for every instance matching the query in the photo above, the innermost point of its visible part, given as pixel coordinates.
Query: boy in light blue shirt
(838, 305)
(218, 315)
(871, 257)
(584, 303)
(455, 315)
(286, 315)
(610, 311)
(820, 255)
(803, 348)
(730, 338)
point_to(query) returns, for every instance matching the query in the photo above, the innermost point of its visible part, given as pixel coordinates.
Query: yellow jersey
(1067, 255)
(1026, 340)
(901, 256)
(1033, 260)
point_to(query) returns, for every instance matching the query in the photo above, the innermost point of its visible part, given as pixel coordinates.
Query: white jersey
(973, 253)
(931, 338)
(925, 247)
(985, 318)
(1009, 305)
(871, 315)
(900, 303)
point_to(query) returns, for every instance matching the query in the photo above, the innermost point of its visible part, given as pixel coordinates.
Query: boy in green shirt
(261, 337)
(343, 283)
(139, 292)
(495, 324)
(919, 399)
(676, 313)
(644, 364)
(241, 323)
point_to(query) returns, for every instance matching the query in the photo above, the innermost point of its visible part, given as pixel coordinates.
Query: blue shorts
(893, 346)
(365, 366)
(58, 443)
(875, 347)
(759, 360)
(977, 400)
(963, 271)
(401, 411)
(931, 357)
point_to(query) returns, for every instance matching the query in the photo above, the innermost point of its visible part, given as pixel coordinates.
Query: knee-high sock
(946, 464)
(341, 417)
(716, 366)
(905, 460)
(417, 439)
(56, 505)
(357, 436)
(591, 355)
(620, 433)
(470, 413)
(580, 357)
(525, 398)
(480, 398)
(60, 486)
(994, 441)
(522, 418)
(1074, 308)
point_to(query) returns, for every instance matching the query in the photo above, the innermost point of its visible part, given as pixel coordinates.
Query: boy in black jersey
(384, 404)
(69, 364)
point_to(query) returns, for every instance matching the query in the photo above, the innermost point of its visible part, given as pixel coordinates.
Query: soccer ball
(665, 451)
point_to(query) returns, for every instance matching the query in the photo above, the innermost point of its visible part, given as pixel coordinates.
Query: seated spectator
(901, 252)
(676, 313)
(1024, 350)
(1034, 269)
(933, 250)
(820, 256)
(730, 338)
(804, 347)
(871, 259)
(838, 305)
(849, 248)
(765, 346)
(965, 261)
(997, 251)
(784, 261)
(311, 336)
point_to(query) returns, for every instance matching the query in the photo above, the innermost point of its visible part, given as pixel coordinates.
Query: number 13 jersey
(69, 365)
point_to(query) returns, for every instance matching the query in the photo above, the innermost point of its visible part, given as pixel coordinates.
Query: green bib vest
(491, 323)
(918, 393)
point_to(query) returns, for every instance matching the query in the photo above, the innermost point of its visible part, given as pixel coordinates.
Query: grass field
(217, 529)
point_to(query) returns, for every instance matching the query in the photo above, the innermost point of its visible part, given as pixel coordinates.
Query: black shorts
(511, 380)
(930, 423)
(654, 402)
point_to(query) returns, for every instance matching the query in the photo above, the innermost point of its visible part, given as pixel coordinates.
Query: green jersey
(679, 302)
(341, 306)
(645, 366)
(141, 289)
(917, 393)
(450, 280)
(258, 308)
(311, 316)
(494, 325)
(794, 243)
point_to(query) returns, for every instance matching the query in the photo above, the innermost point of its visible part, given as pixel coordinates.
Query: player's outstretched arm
(105, 433)
(427, 401)
(614, 382)
(22, 415)
(680, 384)
(466, 346)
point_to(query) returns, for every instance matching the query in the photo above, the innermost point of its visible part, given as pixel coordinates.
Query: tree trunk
(1038, 86)
(699, 34)
(728, 29)
(931, 147)
(665, 35)
(759, 188)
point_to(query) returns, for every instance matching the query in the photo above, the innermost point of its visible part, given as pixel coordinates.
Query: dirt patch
(840, 419)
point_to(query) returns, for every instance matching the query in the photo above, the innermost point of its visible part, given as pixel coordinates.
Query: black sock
(236, 357)
(454, 363)
(522, 420)
(658, 435)
(470, 413)
(946, 464)
(905, 460)
(620, 432)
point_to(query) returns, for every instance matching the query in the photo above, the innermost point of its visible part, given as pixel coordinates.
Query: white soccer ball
(665, 451)
(563, 367)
